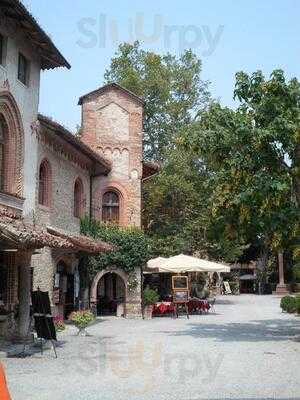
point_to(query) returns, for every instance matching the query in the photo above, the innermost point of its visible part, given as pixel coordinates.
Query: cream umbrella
(183, 263)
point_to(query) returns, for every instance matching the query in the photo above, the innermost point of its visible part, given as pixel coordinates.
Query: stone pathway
(247, 350)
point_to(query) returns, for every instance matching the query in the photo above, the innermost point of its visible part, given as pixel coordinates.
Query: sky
(228, 36)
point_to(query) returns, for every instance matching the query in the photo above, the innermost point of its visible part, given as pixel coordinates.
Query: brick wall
(112, 126)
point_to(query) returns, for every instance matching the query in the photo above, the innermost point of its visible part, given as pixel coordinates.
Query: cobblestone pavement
(247, 350)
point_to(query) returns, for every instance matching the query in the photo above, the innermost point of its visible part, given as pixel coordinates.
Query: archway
(109, 292)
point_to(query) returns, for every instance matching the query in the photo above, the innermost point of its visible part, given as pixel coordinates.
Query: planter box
(147, 312)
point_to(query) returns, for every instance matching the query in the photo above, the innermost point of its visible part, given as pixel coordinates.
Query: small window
(78, 199)
(44, 184)
(111, 208)
(23, 69)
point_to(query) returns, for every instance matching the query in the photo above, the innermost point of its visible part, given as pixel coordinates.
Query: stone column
(24, 262)
(133, 295)
(281, 288)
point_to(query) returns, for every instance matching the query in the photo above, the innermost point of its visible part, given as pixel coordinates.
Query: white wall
(27, 98)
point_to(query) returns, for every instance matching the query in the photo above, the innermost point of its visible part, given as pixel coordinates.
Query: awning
(183, 263)
(247, 277)
(15, 233)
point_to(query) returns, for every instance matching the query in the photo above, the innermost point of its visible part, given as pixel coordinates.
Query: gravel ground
(247, 350)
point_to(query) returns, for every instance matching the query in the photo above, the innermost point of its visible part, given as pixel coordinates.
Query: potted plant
(150, 297)
(81, 320)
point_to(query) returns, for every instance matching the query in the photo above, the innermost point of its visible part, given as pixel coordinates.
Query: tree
(171, 87)
(253, 161)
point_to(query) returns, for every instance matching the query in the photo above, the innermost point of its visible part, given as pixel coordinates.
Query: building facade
(30, 155)
(49, 179)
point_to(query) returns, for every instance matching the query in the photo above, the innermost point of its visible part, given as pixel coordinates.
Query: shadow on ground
(253, 331)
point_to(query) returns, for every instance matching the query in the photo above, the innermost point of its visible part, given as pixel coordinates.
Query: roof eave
(51, 57)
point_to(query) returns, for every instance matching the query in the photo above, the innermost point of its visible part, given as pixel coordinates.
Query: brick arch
(123, 196)
(96, 280)
(13, 172)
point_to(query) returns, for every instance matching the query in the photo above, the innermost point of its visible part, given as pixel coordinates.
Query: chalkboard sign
(180, 296)
(180, 282)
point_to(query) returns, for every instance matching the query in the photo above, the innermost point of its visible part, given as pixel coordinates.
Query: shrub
(81, 318)
(150, 296)
(288, 304)
(296, 274)
(59, 323)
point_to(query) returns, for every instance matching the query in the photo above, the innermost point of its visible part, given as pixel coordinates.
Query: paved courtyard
(247, 350)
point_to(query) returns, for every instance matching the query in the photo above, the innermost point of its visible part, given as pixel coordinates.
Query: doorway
(111, 293)
(66, 289)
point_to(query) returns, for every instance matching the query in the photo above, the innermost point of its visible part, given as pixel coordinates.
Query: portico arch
(96, 281)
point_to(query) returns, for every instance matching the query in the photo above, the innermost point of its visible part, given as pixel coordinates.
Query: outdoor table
(163, 307)
(198, 305)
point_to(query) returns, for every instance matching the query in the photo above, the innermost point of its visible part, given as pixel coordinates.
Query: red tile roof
(15, 233)
(109, 86)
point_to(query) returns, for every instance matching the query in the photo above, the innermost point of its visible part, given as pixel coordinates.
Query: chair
(212, 303)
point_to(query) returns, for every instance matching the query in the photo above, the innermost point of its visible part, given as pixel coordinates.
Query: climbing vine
(132, 247)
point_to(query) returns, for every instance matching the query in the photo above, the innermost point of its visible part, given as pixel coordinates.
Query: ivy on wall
(132, 246)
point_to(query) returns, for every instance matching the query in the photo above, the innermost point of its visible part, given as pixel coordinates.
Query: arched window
(2, 154)
(11, 146)
(45, 184)
(78, 198)
(111, 207)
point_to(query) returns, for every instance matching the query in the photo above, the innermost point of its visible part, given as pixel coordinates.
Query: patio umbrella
(183, 263)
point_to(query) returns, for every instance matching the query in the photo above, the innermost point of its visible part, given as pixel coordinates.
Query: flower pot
(148, 311)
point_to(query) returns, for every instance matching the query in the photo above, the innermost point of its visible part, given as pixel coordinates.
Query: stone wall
(60, 213)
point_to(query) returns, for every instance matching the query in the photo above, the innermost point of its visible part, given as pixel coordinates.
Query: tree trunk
(297, 189)
(296, 179)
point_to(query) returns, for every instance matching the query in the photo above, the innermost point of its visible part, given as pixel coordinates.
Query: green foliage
(150, 296)
(82, 318)
(296, 274)
(252, 163)
(288, 304)
(298, 304)
(171, 87)
(132, 246)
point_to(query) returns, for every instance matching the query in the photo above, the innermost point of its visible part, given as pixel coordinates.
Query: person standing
(4, 394)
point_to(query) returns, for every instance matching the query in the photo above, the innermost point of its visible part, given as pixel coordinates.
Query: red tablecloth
(166, 307)
(198, 305)
(163, 307)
